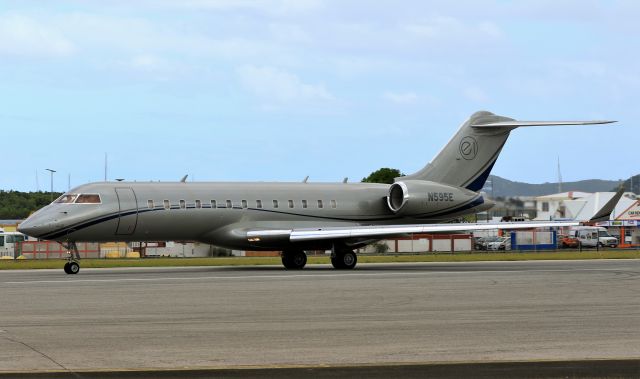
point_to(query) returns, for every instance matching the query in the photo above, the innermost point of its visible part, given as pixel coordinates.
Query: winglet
(604, 212)
(184, 179)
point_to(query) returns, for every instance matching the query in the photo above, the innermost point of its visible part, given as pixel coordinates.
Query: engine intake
(421, 197)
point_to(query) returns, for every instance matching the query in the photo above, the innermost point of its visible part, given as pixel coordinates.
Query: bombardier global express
(291, 217)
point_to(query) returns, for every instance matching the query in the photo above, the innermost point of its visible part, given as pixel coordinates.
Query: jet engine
(425, 198)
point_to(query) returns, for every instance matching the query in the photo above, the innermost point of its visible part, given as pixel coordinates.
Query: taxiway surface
(265, 316)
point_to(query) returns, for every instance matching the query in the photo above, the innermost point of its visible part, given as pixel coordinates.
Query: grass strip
(390, 258)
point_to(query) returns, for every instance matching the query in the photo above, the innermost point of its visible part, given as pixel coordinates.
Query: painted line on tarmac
(296, 276)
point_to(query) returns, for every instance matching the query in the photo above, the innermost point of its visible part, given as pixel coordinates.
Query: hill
(506, 188)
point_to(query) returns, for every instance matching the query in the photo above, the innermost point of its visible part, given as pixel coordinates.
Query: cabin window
(259, 204)
(320, 205)
(198, 204)
(304, 203)
(150, 204)
(275, 203)
(93, 198)
(67, 198)
(183, 204)
(229, 204)
(1, 240)
(167, 205)
(214, 204)
(290, 203)
(334, 204)
(244, 204)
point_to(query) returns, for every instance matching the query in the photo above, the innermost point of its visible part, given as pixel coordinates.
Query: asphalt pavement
(409, 317)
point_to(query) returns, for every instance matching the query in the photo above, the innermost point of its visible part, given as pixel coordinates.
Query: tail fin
(466, 161)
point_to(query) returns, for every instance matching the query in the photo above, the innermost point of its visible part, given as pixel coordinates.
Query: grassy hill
(506, 188)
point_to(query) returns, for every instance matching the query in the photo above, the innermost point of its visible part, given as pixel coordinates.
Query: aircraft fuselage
(221, 213)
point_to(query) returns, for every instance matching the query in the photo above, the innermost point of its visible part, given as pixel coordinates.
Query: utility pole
(559, 177)
(51, 171)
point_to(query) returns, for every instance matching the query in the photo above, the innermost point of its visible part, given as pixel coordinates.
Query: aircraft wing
(380, 232)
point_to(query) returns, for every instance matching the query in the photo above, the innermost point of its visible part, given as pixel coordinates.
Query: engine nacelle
(424, 198)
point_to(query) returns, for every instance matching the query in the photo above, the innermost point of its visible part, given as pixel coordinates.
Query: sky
(275, 90)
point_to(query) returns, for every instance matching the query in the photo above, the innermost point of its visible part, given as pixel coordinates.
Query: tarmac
(497, 319)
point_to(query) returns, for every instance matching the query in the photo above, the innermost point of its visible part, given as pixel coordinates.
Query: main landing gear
(343, 259)
(72, 266)
(294, 259)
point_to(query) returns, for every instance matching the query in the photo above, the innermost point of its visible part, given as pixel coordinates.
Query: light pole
(51, 171)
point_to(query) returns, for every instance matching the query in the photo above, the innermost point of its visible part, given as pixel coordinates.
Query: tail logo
(468, 148)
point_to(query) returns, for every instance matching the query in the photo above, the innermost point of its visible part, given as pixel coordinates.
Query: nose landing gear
(72, 266)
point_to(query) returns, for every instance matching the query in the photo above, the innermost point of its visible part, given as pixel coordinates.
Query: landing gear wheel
(294, 259)
(74, 267)
(71, 267)
(344, 260)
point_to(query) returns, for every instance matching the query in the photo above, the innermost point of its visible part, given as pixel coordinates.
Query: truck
(593, 236)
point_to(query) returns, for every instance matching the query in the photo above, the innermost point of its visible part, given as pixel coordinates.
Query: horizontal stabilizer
(516, 124)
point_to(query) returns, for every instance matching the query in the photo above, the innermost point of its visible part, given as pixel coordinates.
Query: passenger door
(128, 211)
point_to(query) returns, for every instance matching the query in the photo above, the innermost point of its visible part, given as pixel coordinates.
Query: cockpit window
(88, 198)
(68, 198)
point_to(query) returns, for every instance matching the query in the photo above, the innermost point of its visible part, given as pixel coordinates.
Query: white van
(592, 236)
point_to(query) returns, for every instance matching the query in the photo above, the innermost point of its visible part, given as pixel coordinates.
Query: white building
(551, 207)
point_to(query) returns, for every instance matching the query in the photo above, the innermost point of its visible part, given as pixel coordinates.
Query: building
(626, 221)
(552, 207)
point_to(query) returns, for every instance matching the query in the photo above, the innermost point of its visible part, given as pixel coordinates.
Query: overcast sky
(278, 90)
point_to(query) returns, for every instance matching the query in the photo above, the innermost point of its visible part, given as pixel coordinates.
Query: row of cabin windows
(244, 204)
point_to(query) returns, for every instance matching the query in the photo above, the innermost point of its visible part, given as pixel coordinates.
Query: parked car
(501, 243)
(568, 242)
(479, 243)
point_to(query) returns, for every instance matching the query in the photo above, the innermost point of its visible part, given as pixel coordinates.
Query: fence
(54, 250)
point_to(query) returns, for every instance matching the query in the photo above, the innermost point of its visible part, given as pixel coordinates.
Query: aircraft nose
(31, 228)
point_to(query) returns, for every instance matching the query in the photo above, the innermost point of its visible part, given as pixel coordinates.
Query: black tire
(294, 259)
(344, 260)
(66, 268)
(74, 268)
(336, 262)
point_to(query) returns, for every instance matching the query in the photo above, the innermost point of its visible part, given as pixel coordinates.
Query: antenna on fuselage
(305, 179)
(184, 179)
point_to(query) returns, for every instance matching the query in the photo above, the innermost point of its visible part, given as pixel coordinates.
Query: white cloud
(444, 29)
(24, 36)
(476, 94)
(401, 98)
(271, 84)
(267, 6)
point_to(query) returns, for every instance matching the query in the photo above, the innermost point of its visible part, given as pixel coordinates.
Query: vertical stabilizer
(467, 159)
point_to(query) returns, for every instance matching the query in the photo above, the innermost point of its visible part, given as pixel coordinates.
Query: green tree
(18, 205)
(383, 175)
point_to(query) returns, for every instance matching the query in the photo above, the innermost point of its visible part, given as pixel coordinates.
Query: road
(264, 316)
